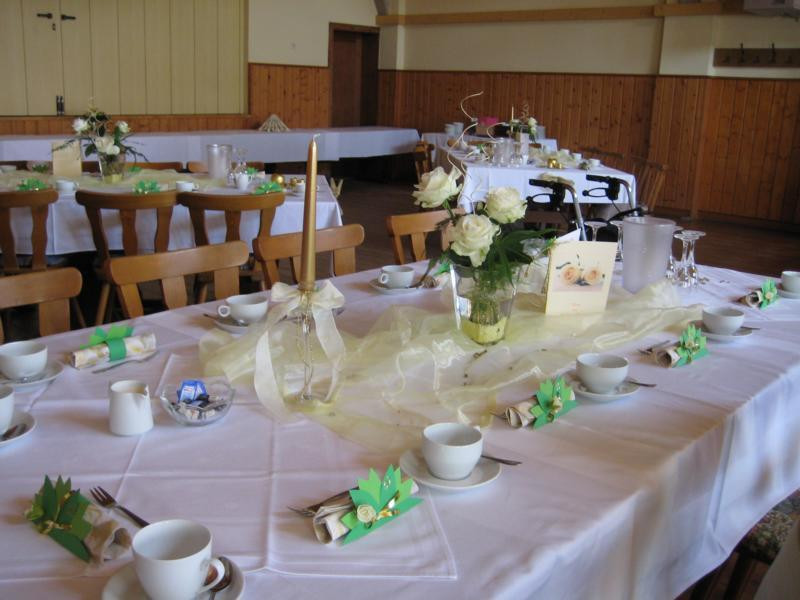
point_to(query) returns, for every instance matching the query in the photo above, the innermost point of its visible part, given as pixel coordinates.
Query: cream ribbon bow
(287, 298)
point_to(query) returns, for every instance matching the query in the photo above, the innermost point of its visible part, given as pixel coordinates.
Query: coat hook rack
(771, 57)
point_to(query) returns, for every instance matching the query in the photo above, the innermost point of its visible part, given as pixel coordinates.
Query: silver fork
(106, 500)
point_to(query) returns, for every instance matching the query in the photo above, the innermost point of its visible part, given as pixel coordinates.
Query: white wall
(755, 32)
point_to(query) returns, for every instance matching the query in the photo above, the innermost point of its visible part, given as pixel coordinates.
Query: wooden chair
(233, 206)
(615, 160)
(170, 269)
(341, 241)
(650, 177)
(416, 226)
(39, 204)
(547, 219)
(197, 166)
(91, 166)
(127, 205)
(423, 161)
(51, 290)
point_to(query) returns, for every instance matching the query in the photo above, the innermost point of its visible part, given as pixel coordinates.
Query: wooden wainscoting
(139, 123)
(732, 145)
(299, 95)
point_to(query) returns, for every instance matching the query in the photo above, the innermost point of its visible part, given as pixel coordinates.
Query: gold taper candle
(308, 258)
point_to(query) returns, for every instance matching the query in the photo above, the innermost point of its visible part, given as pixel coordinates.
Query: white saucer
(124, 585)
(623, 390)
(787, 294)
(740, 333)
(376, 285)
(413, 465)
(20, 418)
(51, 371)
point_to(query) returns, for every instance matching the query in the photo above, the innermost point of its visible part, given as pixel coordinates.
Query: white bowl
(601, 373)
(790, 281)
(451, 450)
(22, 359)
(723, 320)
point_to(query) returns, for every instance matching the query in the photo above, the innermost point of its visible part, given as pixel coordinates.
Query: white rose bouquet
(436, 187)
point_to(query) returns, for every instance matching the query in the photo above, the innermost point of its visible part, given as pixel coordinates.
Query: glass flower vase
(482, 303)
(111, 167)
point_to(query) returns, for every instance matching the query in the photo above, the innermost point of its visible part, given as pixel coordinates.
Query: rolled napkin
(107, 540)
(690, 347)
(553, 399)
(762, 297)
(667, 356)
(102, 353)
(520, 415)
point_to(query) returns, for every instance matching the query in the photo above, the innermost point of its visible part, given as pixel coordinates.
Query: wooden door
(13, 95)
(76, 55)
(353, 57)
(43, 69)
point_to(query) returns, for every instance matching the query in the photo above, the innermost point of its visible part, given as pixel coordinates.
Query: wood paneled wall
(139, 123)
(732, 145)
(300, 96)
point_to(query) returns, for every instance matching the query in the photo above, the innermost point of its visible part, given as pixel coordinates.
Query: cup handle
(220, 570)
(224, 311)
(383, 278)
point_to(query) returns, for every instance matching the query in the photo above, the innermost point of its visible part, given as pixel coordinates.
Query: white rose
(80, 125)
(123, 127)
(435, 187)
(472, 237)
(366, 513)
(105, 145)
(504, 204)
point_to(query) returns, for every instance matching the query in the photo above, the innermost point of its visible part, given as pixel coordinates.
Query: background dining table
(632, 499)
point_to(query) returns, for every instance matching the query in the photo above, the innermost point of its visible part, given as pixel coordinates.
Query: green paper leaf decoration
(41, 168)
(769, 293)
(691, 346)
(134, 169)
(115, 332)
(147, 186)
(251, 171)
(378, 501)
(32, 184)
(267, 188)
(554, 399)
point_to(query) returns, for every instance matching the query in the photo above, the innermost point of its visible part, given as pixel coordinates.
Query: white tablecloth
(68, 228)
(291, 146)
(633, 499)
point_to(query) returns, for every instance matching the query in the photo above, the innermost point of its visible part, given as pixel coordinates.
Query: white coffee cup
(65, 185)
(722, 319)
(790, 281)
(22, 359)
(577, 156)
(172, 558)
(185, 186)
(601, 373)
(245, 307)
(594, 162)
(129, 410)
(242, 181)
(6, 407)
(396, 276)
(451, 450)
(450, 130)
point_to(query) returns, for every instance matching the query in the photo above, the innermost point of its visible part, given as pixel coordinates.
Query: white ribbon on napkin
(322, 303)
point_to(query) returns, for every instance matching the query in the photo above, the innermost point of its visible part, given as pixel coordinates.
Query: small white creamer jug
(129, 410)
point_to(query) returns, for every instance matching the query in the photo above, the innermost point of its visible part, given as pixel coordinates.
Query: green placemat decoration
(32, 184)
(377, 502)
(691, 346)
(769, 294)
(57, 511)
(147, 186)
(113, 338)
(554, 399)
(267, 188)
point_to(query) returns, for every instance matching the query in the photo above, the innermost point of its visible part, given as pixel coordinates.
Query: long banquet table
(632, 499)
(333, 144)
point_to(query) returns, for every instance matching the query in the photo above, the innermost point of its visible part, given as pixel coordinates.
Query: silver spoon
(228, 319)
(226, 580)
(502, 461)
(640, 383)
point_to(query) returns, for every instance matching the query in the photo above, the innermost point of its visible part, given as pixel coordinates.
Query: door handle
(67, 18)
(45, 15)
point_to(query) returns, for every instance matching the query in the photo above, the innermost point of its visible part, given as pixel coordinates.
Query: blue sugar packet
(192, 390)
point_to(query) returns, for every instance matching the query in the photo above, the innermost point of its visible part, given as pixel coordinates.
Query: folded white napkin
(135, 345)
(107, 540)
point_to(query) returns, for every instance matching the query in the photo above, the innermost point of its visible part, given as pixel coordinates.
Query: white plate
(413, 465)
(787, 294)
(623, 390)
(124, 585)
(376, 285)
(20, 418)
(51, 371)
(740, 333)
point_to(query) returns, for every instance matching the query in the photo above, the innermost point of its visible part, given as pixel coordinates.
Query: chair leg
(77, 312)
(741, 573)
(703, 588)
(102, 303)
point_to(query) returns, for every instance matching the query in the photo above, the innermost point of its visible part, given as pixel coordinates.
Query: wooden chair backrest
(39, 203)
(170, 268)
(341, 241)
(127, 205)
(650, 177)
(417, 226)
(50, 290)
(423, 161)
(197, 166)
(233, 205)
(546, 219)
(92, 166)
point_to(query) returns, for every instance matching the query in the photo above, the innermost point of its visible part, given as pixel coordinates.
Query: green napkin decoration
(146, 187)
(267, 188)
(378, 502)
(41, 168)
(57, 511)
(134, 169)
(251, 170)
(32, 184)
(769, 293)
(113, 339)
(691, 346)
(555, 399)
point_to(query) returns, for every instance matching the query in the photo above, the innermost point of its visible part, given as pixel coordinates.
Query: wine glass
(618, 224)
(686, 275)
(596, 225)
